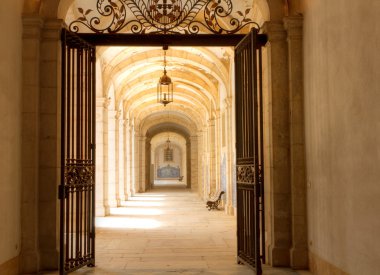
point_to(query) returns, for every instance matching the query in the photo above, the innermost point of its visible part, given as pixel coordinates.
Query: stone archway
(285, 193)
(190, 146)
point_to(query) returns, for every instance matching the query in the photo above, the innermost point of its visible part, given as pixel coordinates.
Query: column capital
(228, 102)
(217, 114)
(52, 29)
(117, 114)
(275, 31)
(211, 122)
(107, 102)
(32, 26)
(294, 26)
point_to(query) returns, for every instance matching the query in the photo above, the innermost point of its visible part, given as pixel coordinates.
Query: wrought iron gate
(77, 189)
(249, 152)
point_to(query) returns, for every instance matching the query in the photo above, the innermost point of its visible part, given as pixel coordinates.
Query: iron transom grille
(162, 16)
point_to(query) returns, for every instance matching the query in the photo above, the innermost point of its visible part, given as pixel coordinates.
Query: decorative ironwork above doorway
(163, 17)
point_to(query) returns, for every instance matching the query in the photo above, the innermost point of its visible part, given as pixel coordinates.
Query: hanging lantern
(165, 85)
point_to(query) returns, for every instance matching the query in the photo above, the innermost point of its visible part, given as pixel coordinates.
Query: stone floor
(168, 231)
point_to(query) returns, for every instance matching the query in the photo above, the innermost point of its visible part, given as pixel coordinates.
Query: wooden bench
(214, 202)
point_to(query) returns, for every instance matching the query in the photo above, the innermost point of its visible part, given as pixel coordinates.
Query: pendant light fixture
(165, 85)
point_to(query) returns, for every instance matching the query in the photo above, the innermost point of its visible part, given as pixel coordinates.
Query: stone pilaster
(278, 151)
(133, 152)
(110, 159)
(141, 163)
(201, 149)
(147, 161)
(217, 146)
(194, 162)
(119, 158)
(100, 199)
(49, 144)
(121, 153)
(299, 252)
(230, 155)
(189, 163)
(212, 155)
(128, 159)
(32, 26)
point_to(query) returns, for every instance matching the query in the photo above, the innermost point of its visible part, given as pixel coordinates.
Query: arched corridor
(306, 193)
(133, 128)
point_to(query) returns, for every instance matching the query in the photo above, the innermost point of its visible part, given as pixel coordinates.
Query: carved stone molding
(294, 26)
(32, 25)
(275, 31)
(52, 30)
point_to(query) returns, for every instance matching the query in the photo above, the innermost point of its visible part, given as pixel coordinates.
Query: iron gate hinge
(61, 192)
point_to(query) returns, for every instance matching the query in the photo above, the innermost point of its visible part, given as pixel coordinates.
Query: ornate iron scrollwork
(163, 17)
(79, 173)
(246, 174)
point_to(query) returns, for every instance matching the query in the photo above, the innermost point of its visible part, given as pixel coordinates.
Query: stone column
(230, 155)
(278, 178)
(200, 166)
(212, 154)
(194, 162)
(189, 164)
(217, 148)
(126, 190)
(205, 163)
(109, 159)
(133, 152)
(142, 163)
(119, 155)
(299, 252)
(99, 180)
(49, 144)
(30, 127)
(127, 159)
(147, 162)
(138, 163)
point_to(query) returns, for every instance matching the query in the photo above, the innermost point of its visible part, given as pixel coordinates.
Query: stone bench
(214, 202)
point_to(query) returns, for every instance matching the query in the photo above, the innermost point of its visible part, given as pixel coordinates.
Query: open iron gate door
(249, 152)
(77, 189)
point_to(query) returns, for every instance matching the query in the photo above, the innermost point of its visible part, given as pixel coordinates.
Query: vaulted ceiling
(202, 76)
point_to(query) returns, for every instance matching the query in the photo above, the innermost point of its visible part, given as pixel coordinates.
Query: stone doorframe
(284, 139)
(285, 187)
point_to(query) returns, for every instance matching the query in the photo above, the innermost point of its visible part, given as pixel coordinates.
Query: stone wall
(10, 134)
(342, 120)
